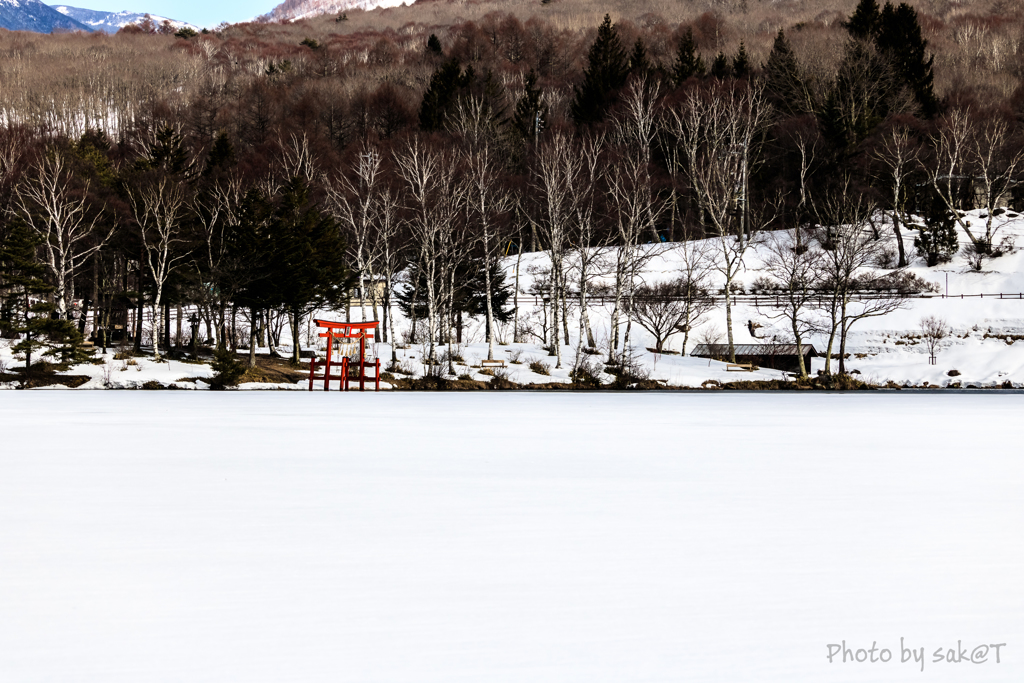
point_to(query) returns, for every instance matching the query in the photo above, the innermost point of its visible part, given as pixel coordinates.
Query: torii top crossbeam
(346, 330)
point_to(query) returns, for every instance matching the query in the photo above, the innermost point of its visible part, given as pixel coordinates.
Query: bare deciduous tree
(158, 207)
(589, 247)
(435, 199)
(556, 178)
(797, 274)
(718, 130)
(934, 331)
(900, 155)
(974, 149)
(355, 203)
(634, 208)
(638, 128)
(851, 290)
(695, 267)
(488, 202)
(667, 308)
(59, 213)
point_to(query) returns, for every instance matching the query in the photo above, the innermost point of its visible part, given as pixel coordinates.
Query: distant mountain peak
(112, 22)
(32, 15)
(296, 10)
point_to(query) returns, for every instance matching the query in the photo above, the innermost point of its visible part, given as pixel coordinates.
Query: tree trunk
(208, 320)
(899, 241)
(833, 313)
(515, 300)
(584, 315)
(490, 306)
(253, 325)
(167, 326)
(799, 348)
(415, 303)
(843, 329)
(222, 325)
(390, 322)
(157, 320)
(296, 351)
(376, 316)
(613, 341)
(554, 296)
(728, 318)
(234, 328)
(179, 313)
(431, 318)
(629, 315)
(565, 316)
(271, 341)
(138, 320)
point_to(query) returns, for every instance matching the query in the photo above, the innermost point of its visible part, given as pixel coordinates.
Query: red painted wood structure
(336, 330)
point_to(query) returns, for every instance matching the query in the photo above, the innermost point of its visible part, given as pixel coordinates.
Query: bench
(492, 363)
(739, 367)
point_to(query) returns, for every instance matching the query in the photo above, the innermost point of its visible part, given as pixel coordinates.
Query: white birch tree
(718, 131)
(435, 201)
(50, 204)
(158, 207)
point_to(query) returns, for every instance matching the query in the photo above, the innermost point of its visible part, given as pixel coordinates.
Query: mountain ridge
(32, 15)
(296, 10)
(112, 22)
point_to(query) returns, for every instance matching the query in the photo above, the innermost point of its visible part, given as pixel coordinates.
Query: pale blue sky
(198, 12)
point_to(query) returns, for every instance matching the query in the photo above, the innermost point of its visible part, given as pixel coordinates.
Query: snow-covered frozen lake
(150, 537)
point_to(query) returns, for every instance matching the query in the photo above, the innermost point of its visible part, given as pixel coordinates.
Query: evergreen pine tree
(783, 77)
(228, 368)
(741, 63)
(221, 152)
(445, 84)
(168, 153)
(306, 269)
(470, 296)
(528, 108)
(21, 280)
(937, 239)
(860, 98)
(864, 20)
(492, 91)
(720, 67)
(898, 36)
(475, 292)
(434, 45)
(638, 61)
(688, 61)
(93, 151)
(607, 68)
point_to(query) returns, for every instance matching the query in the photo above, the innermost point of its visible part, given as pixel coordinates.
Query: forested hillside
(272, 167)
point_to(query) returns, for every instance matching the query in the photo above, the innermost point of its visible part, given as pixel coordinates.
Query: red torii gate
(336, 330)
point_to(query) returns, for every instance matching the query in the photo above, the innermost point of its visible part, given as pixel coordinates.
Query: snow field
(506, 537)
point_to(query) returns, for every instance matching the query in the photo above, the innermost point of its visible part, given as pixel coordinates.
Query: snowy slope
(296, 10)
(986, 348)
(982, 348)
(32, 15)
(161, 537)
(112, 22)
